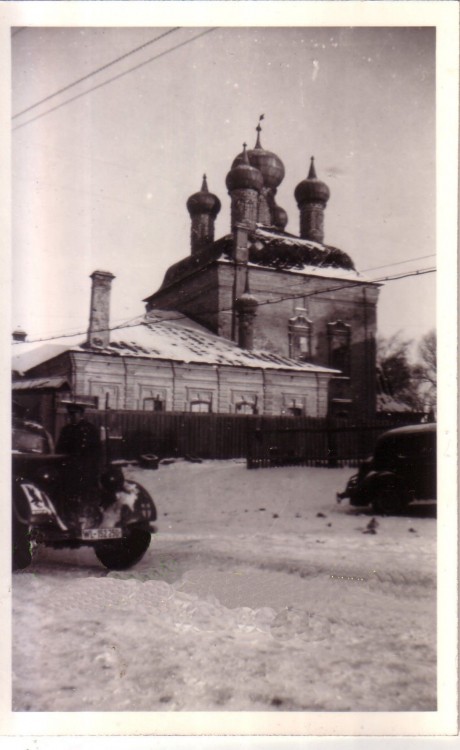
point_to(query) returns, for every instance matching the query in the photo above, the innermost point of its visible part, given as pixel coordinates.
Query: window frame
(300, 327)
(339, 332)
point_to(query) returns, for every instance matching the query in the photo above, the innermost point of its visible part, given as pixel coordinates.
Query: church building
(306, 301)
(258, 321)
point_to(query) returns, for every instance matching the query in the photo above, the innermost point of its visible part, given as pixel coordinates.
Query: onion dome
(243, 176)
(312, 190)
(280, 217)
(269, 164)
(203, 202)
(246, 302)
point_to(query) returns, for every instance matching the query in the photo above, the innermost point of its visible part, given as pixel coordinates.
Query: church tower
(244, 183)
(203, 208)
(272, 170)
(312, 196)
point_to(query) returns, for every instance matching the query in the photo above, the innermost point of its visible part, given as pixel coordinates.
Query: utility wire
(419, 272)
(399, 263)
(140, 319)
(94, 72)
(114, 78)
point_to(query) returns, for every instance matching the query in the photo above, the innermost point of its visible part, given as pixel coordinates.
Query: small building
(170, 363)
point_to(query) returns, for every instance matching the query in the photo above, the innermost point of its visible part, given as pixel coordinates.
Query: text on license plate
(101, 534)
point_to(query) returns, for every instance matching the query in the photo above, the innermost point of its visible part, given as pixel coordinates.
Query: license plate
(95, 534)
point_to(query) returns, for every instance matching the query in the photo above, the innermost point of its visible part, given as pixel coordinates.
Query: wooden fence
(329, 442)
(264, 441)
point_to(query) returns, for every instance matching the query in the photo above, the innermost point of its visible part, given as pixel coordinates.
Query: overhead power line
(419, 272)
(140, 319)
(114, 78)
(399, 263)
(94, 72)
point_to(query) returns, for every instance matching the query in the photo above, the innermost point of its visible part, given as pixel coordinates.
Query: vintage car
(116, 518)
(402, 469)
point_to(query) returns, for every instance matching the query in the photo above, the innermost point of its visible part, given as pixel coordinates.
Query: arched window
(339, 340)
(300, 330)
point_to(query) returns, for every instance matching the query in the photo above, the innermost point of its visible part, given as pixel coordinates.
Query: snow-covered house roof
(40, 384)
(386, 403)
(29, 354)
(169, 335)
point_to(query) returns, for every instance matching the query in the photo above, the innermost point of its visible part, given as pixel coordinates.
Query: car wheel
(388, 497)
(22, 556)
(120, 554)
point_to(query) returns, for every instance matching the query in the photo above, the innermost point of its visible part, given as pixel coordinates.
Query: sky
(101, 182)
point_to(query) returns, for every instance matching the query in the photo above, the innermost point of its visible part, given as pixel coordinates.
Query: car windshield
(417, 446)
(27, 441)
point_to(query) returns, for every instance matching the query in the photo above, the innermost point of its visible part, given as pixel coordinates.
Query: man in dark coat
(80, 440)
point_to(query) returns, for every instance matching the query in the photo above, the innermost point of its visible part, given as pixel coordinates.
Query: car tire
(21, 554)
(388, 496)
(121, 554)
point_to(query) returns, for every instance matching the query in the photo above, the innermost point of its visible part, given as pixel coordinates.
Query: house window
(339, 340)
(199, 401)
(107, 395)
(300, 330)
(294, 407)
(154, 404)
(245, 407)
(200, 406)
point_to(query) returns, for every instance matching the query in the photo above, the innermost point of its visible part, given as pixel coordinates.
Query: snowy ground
(248, 599)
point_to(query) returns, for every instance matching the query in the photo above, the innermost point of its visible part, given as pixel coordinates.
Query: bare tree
(396, 373)
(426, 370)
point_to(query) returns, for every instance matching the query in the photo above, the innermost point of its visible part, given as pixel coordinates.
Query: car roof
(19, 422)
(415, 429)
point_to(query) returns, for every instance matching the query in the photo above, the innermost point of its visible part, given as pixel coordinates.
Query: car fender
(128, 506)
(361, 492)
(33, 506)
(374, 478)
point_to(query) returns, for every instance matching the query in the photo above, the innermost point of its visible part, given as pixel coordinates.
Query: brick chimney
(99, 315)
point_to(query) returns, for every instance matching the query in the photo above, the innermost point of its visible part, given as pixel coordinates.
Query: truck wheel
(22, 556)
(388, 497)
(120, 554)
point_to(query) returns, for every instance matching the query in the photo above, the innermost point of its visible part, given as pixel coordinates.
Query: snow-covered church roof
(274, 249)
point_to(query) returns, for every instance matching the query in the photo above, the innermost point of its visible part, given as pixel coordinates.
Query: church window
(300, 330)
(339, 340)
